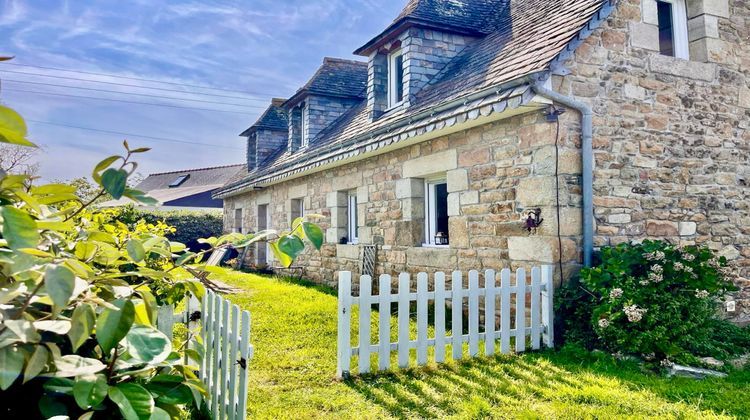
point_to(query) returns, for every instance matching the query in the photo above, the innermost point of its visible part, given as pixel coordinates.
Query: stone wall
(496, 173)
(672, 150)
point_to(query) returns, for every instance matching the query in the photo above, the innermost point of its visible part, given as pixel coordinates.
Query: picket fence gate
(225, 330)
(539, 329)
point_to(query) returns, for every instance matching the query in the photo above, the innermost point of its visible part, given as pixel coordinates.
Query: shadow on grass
(549, 383)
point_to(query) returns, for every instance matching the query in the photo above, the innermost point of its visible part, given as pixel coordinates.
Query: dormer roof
(466, 17)
(335, 77)
(273, 118)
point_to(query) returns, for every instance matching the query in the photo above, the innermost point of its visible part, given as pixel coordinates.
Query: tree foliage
(79, 296)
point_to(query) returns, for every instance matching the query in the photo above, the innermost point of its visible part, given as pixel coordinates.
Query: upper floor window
(303, 126)
(351, 218)
(673, 31)
(395, 78)
(436, 212)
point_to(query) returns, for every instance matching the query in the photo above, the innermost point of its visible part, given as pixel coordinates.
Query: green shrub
(189, 225)
(651, 298)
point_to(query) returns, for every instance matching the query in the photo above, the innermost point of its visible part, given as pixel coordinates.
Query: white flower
(615, 293)
(657, 269)
(687, 256)
(701, 294)
(654, 256)
(666, 363)
(655, 277)
(678, 266)
(643, 282)
(603, 323)
(634, 313)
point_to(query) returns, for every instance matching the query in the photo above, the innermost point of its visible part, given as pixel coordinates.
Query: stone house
(610, 120)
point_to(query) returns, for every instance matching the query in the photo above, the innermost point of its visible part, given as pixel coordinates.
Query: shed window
(673, 33)
(238, 220)
(395, 78)
(179, 180)
(351, 218)
(436, 213)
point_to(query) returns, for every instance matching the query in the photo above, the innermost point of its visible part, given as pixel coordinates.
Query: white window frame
(351, 218)
(679, 28)
(430, 212)
(304, 140)
(392, 102)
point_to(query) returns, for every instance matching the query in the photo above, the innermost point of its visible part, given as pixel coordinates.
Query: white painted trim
(304, 137)
(351, 218)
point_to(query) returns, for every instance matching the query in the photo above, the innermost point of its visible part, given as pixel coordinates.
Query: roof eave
(401, 25)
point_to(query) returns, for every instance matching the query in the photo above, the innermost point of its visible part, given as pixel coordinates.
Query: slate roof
(524, 38)
(198, 177)
(336, 77)
(273, 118)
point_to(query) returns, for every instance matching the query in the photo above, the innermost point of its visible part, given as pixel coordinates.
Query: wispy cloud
(267, 47)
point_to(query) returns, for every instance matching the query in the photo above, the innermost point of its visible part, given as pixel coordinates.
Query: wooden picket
(225, 332)
(520, 321)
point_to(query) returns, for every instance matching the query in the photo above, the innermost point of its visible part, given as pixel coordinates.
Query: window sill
(435, 246)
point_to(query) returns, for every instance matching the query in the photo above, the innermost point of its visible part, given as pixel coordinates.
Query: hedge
(190, 225)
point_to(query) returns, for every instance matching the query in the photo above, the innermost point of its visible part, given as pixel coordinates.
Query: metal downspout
(587, 128)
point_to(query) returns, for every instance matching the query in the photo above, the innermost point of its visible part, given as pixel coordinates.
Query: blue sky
(256, 49)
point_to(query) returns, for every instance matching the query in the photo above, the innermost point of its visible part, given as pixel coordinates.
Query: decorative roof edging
(502, 100)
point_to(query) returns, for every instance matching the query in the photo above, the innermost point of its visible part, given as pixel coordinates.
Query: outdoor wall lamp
(533, 220)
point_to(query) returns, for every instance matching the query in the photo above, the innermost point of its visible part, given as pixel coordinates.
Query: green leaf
(170, 389)
(158, 413)
(134, 401)
(113, 324)
(62, 386)
(36, 363)
(152, 307)
(19, 229)
(89, 391)
(74, 365)
(135, 250)
(13, 128)
(58, 326)
(114, 182)
(23, 329)
(104, 164)
(140, 150)
(59, 282)
(85, 250)
(147, 345)
(140, 197)
(291, 245)
(314, 234)
(82, 323)
(283, 258)
(51, 407)
(11, 363)
(182, 259)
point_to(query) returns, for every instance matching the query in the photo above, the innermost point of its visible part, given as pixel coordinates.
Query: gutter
(587, 128)
(235, 188)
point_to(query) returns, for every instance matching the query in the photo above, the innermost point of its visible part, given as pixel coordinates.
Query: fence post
(344, 330)
(548, 313)
(365, 302)
(403, 320)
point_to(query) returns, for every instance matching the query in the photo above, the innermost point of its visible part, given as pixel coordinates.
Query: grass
(292, 375)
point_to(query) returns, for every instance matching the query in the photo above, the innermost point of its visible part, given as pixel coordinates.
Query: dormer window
(673, 31)
(304, 132)
(395, 78)
(179, 180)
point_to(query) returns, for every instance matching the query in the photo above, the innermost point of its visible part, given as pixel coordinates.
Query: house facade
(468, 122)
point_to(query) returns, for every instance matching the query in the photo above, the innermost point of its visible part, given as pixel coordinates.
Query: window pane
(441, 209)
(238, 220)
(666, 32)
(399, 69)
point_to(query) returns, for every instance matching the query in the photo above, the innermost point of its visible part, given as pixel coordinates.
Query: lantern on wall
(441, 238)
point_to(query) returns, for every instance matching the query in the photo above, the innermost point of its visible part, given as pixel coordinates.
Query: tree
(16, 159)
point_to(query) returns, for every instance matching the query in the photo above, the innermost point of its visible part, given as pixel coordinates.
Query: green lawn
(292, 375)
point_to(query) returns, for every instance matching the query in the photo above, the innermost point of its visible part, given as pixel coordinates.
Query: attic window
(395, 78)
(303, 126)
(673, 32)
(177, 182)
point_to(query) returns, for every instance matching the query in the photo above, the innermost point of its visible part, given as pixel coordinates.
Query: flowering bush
(654, 298)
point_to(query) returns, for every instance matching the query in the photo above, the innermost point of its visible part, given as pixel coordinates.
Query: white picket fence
(534, 322)
(225, 330)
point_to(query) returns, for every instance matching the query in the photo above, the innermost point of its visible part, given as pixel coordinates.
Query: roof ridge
(196, 169)
(343, 60)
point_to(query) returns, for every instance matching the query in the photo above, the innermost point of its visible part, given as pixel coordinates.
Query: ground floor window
(436, 212)
(351, 218)
(298, 208)
(264, 220)
(238, 220)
